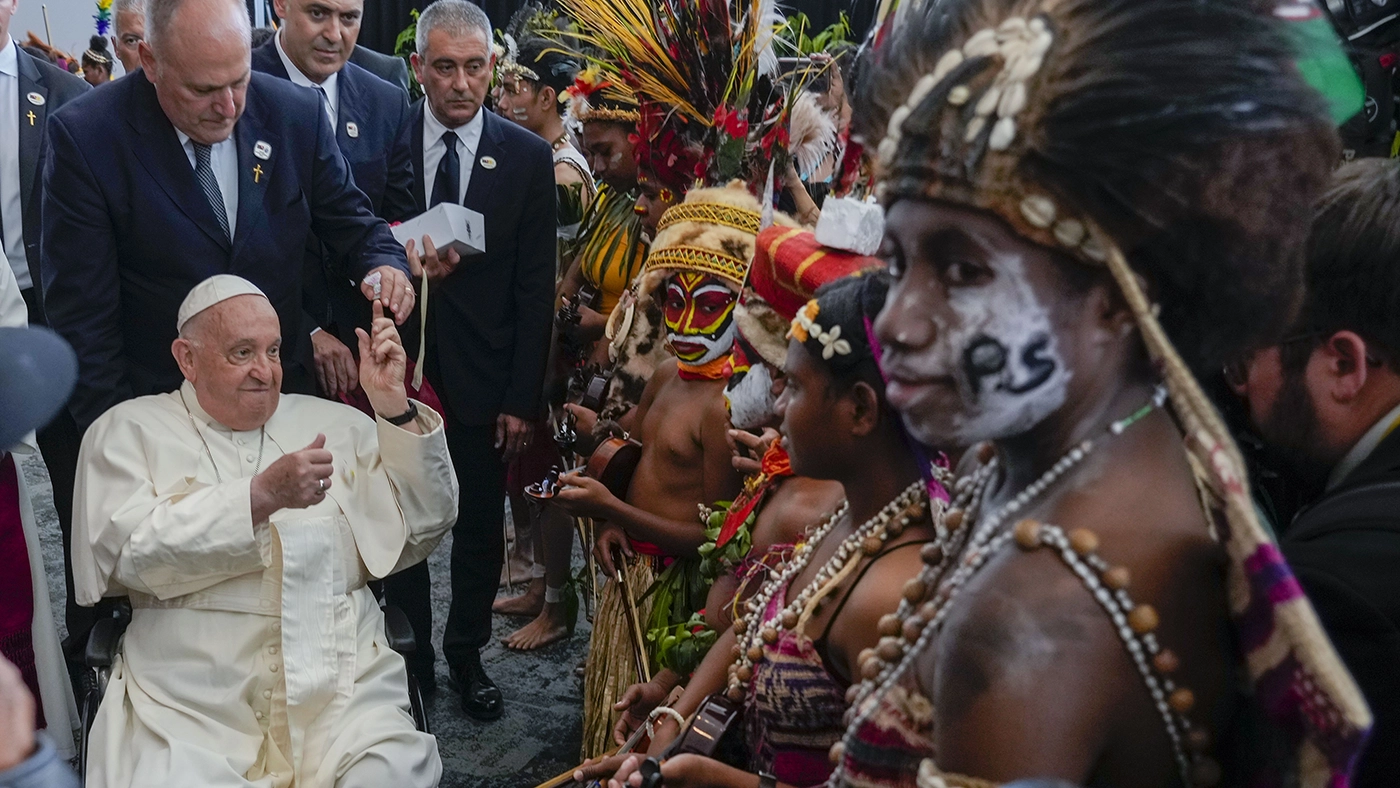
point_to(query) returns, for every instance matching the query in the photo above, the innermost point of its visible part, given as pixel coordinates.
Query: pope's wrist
(396, 407)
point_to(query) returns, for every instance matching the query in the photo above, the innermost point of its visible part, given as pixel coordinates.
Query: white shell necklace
(754, 630)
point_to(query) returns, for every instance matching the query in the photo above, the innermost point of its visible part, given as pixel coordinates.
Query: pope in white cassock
(243, 525)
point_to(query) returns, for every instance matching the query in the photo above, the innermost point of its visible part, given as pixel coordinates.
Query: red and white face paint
(699, 313)
(749, 392)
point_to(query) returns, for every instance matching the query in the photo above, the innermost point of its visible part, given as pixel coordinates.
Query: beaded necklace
(754, 631)
(907, 633)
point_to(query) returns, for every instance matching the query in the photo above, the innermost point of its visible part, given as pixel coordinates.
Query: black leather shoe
(481, 699)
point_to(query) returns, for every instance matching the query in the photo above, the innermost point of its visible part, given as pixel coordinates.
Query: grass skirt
(610, 668)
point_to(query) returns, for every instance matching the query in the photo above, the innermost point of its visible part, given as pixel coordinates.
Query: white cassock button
(258, 714)
(272, 649)
(273, 667)
(250, 458)
(267, 693)
(277, 626)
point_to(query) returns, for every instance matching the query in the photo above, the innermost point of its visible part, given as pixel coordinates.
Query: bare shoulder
(1025, 649)
(665, 373)
(1024, 615)
(796, 504)
(882, 587)
(565, 173)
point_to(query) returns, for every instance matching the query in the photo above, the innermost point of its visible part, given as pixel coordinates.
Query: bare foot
(519, 571)
(547, 628)
(529, 603)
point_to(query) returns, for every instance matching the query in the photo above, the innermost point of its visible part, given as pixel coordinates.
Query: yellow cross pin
(31, 117)
(257, 172)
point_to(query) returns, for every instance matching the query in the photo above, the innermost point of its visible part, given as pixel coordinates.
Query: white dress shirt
(468, 136)
(11, 206)
(223, 159)
(13, 312)
(328, 89)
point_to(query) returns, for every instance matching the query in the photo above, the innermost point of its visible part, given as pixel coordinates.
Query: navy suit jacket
(55, 87)
(380, 160)
(489, 321)
(127, 231)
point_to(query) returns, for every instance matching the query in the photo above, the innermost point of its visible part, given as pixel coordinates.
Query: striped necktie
(205, 173)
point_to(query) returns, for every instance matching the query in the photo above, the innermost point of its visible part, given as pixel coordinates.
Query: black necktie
(204, 172)
(326, 105)
(449, 173)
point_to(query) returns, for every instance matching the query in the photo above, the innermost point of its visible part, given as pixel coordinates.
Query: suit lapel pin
(352, 129)
(488, 162)
(262, 150)
(37, 99)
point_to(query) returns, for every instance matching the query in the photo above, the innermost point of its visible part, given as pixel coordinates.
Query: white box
(849, 224)
(448, 226)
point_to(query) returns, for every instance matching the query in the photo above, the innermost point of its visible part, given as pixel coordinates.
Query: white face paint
(751, 399)
(998, 348)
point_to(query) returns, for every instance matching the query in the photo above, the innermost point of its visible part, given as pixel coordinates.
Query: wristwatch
(766, 780)
(409, 415)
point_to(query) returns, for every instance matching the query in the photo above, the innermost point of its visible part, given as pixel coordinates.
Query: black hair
(1182, 127)
(260, 36)
(556, 68)
(97, 45)
(850, 304)
(1353, 259)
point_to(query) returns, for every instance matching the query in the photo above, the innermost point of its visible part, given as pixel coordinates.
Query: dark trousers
(59, 442)
(478, 548)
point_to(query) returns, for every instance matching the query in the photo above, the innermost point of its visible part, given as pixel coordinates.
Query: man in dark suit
(387, 67)
(30, 90)
(370, 118)
(489, 321)
(194, 166)
(1328, 401)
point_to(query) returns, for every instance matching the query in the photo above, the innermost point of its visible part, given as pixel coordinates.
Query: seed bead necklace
(754, 630)
(908, 632)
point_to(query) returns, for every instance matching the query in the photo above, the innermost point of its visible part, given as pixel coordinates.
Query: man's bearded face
(699, 317)
(749, 392)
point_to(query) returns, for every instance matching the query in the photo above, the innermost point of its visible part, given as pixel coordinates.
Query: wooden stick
(47, 32)
(627, 747)
(634, 629)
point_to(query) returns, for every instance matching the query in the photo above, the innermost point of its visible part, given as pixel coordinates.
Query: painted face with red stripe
(699, 314)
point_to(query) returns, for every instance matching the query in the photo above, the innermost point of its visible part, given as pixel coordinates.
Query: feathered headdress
(103, 17)
(595, 97)
(703, 73)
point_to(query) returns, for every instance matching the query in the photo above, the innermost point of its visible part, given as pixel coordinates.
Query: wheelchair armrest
(102, 642)
(398, 631)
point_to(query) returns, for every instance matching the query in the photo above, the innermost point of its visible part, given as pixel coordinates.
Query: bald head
(197, 53)
(231, 354)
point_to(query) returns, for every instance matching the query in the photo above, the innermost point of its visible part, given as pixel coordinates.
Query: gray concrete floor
(537, 738)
